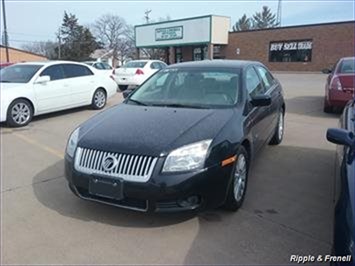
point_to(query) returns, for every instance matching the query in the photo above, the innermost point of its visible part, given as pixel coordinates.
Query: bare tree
(111, 31)
(45, 48)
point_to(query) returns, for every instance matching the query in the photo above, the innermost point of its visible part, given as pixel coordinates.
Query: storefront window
(205, 52)
(291, 51)
(178, 55)
(197, 54)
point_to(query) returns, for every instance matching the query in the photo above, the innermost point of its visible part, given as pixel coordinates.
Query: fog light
(191, 201)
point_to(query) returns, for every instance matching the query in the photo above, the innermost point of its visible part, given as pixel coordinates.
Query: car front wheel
(99, 99)
(279, 130)
(20, 113)
(238, 186)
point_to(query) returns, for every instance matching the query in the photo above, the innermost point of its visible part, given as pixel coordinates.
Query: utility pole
(147, 15)
(5, 32)
(278, 17)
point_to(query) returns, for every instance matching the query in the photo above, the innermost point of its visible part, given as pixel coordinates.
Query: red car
(340, 84)
(2, 65)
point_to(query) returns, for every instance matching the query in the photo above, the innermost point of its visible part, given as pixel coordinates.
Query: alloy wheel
(100, 99)
(20, 113)
(240, 175)
(280, 126)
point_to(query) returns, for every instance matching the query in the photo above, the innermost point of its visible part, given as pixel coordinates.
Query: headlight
(72, 142)
(188, 157)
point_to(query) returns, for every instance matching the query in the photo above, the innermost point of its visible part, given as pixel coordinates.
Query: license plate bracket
(106, 187)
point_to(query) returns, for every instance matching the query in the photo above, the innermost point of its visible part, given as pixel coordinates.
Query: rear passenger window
(55, 72)
(72, 71)
(162, 65)
(266, 77)
(106, 66)
(253, 83)
(99, 66)
(155, 65)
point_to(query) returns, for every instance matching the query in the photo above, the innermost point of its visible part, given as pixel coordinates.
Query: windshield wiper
(179, 105)
(5, 81)
(138, 102)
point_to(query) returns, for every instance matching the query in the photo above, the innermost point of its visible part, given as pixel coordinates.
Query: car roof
(145, 60)
(52, 62)
(216, 63)
(347, 58)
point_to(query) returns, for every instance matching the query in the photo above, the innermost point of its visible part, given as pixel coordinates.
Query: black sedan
(344, 217)
(184, 140)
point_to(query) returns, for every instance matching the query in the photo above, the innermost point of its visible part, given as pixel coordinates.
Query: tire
(99, 99)
(239, 180)
(123, 87)
(279, 130)
(19, 113)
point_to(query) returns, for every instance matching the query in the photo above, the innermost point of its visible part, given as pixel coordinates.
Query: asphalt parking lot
(288, 208)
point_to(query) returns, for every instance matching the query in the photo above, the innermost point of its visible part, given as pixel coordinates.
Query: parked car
(29, 89)
(135, 72)
(344, 217)
(99, 65)
(3, 65)
(184, 140)
(339, 88)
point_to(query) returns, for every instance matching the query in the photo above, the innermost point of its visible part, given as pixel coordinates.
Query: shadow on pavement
(288, 210)
(50, 188)
(310, 106)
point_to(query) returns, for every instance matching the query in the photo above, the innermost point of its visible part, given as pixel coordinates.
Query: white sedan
(135, 72)
(34, 88)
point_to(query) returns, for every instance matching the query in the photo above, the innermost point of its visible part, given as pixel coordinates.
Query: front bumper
(162, 192)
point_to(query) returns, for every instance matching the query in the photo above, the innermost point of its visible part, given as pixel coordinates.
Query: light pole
(5, 32)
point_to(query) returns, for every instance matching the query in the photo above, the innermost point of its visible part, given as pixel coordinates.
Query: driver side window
(253, 83)
(55, 72)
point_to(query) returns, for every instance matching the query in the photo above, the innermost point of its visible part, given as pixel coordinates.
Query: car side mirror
(341, 137)
(126, 93)
(43, 79)
(261, 100)
(326, 71)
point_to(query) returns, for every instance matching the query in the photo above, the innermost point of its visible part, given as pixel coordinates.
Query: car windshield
(347, 66)
(135, 64)
(18, 73)
(195, 88)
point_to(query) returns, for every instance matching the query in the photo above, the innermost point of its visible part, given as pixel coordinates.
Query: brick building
(294, 48)
(17, 55)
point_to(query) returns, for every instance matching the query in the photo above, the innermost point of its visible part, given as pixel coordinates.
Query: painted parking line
(46, 148)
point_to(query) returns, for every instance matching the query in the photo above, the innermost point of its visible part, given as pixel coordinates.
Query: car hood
(154, 131)
(6, 86)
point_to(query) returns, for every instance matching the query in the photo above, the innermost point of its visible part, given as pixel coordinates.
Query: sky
(31, 21)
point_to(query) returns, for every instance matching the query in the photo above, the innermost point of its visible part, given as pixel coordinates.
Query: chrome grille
(137, 168)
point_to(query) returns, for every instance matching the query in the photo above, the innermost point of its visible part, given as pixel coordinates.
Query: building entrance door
(199, 53)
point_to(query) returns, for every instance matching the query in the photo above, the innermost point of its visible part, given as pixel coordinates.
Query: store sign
(291, 45)
(171, 33)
